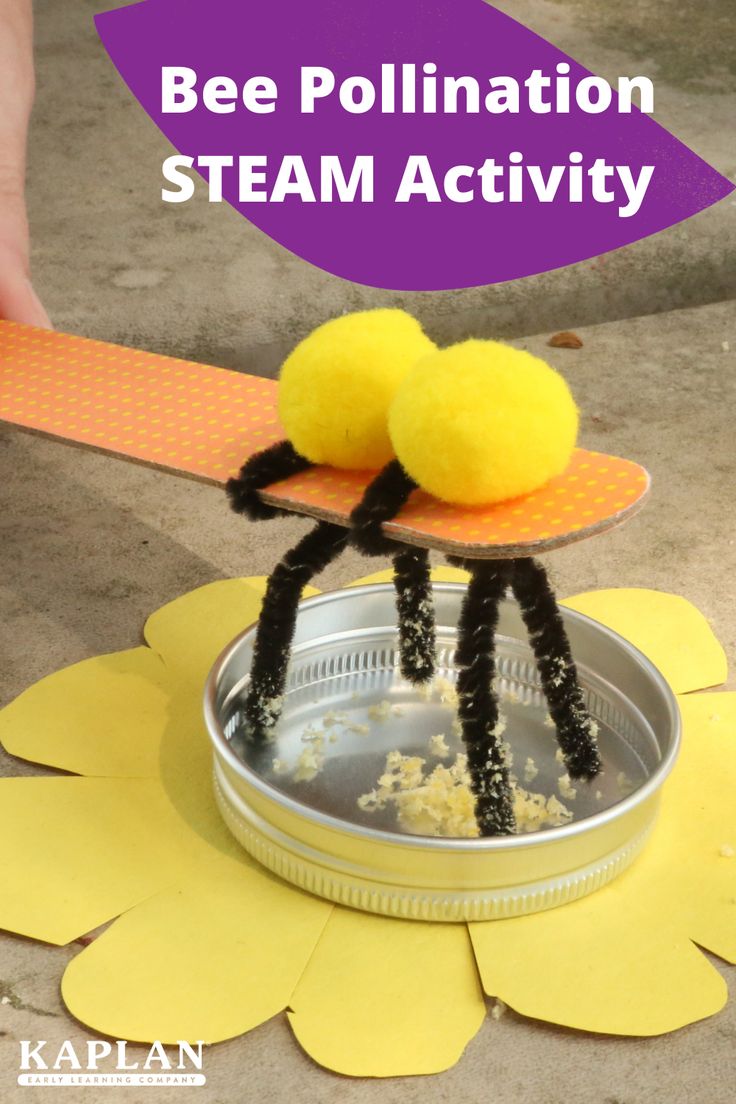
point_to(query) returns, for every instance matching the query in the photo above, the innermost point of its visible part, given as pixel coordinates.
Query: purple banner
(405, 144)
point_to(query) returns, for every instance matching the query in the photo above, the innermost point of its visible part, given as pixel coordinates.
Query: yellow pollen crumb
(279, 766)
(498, 1009)
(368, 801)
(559, 756)
(438, 746)
(446, 691)
(566, 787)
(531, 770)
(556, 808)
(312, 735)
(272, 708)
(309, 763)
(334, 717)
(441, 802)
(381, 711)
(726, 851)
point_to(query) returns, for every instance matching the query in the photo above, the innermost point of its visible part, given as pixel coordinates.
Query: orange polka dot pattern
(595, 493)
(204, 422)
(175, 414)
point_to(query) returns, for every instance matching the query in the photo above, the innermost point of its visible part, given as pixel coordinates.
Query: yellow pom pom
(337, 385)
(481, 422)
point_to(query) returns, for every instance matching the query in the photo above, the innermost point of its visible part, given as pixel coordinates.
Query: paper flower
(205, 944)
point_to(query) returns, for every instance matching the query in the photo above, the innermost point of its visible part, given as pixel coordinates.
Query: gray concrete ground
(92, 544)
(197, 280)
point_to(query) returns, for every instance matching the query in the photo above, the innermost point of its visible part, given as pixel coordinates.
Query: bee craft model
(474, 424)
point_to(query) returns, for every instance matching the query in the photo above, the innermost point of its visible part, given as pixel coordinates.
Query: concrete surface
(90, 545)
(112, 261)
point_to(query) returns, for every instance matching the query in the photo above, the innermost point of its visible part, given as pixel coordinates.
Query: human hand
(18, 300)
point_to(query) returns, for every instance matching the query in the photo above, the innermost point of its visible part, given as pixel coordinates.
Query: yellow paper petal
(384, 998)
(699, 818)
(668, 629)
(379, 997)
(78, 851)
(621, 961)
(440, 574)
(208, 961)
(104, 716)
(603, 964)
(190, 632)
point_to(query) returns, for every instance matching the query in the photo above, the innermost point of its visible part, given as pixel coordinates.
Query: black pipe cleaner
(576, 731)
(381, 501)
(477, 700)
(415, 606)
(263, 468)
(478, 708)
(277, 622)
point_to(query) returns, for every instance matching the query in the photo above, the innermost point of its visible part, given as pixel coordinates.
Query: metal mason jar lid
(310, 826)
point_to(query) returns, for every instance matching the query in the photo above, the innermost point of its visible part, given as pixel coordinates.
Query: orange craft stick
(204, 422)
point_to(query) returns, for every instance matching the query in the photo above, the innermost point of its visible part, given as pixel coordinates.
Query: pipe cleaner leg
(277, 622)
(263, 468)
(382, 500)
(576, 730)
(416, 614)
(477, 701)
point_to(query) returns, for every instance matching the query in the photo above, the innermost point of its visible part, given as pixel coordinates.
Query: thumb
(19, 301)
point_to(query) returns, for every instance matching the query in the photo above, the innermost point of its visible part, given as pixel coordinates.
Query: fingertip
(20, 303)
(38, 311)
